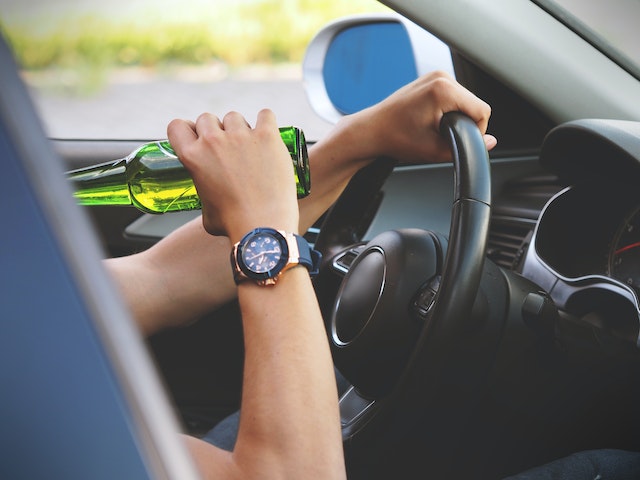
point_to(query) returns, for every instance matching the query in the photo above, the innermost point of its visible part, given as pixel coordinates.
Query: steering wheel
(397, 306)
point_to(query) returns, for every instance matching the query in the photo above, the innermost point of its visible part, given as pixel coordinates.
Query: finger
(490, 141)
(207, 123)
(233, 120)
(191, 124)
(266, 119)
(449, 91)
(478, 110)
(181, 133)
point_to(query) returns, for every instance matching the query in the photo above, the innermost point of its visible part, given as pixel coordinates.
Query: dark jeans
(588, 465)
(224, 434)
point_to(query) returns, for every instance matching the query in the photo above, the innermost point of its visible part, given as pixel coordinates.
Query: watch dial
(262, 253)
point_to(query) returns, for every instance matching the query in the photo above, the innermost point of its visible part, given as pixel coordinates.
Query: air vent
(508, 241)
(514, 216)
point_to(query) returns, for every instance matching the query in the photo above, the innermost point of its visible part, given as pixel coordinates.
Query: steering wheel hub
(370, 337)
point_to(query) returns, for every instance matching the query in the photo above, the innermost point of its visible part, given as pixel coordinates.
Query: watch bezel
(273, 272)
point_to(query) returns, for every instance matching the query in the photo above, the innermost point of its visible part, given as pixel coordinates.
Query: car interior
(484, 315)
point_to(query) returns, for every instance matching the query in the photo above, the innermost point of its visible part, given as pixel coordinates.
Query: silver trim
(352, 251)
(340, 295)
(347, 416)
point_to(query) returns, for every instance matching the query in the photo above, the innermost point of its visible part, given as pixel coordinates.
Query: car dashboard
(584, 249)
(593, 229)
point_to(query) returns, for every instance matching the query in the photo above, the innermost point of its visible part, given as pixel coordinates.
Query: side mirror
(357, 61)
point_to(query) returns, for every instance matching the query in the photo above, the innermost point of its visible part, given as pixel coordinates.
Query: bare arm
(289, 425)
(178, 280)
(187, 274)
(289, 420)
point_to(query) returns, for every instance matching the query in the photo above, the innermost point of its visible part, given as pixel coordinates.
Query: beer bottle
(152, 178)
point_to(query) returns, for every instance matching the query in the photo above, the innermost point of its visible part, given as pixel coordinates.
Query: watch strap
(308, 257)
(298, 250)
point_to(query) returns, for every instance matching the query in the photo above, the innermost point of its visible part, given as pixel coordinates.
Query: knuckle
(209, 137)
(440, 88)
(189, 155)
(173, 124)
(230, 115)
(441, 74)
(203, 117)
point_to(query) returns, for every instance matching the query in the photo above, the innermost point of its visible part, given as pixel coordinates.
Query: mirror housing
(356, 61)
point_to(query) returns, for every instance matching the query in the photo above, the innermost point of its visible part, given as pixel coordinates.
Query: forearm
(289, 425)
(187, 273)
(178, 280)
(333, 161)
(290, 416)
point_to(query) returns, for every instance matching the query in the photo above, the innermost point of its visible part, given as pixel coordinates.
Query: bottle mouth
(303, 171)
(293, 138)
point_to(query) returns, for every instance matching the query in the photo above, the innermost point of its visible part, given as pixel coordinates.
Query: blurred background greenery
(88, 61)
(142, 33)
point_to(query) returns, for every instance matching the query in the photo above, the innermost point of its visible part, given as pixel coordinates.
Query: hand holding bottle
(153, 180)
(243, 175)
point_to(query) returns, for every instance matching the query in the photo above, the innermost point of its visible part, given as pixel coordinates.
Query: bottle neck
(104, 184)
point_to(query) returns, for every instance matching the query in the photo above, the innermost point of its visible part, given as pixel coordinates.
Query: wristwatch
(264, 254)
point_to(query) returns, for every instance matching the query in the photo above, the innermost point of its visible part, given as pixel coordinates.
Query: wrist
(240, 227)
(238, 235)
(344, 151)
(264, 253)
(361, 138)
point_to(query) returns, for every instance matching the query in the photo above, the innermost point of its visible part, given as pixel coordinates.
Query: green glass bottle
(152, 178)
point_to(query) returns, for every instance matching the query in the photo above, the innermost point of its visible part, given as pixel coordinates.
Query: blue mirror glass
(366, 63)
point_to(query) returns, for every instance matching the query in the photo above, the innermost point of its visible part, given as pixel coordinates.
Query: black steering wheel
(404, 298)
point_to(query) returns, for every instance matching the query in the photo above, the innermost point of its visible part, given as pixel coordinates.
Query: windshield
(123, 69)
(611, 25)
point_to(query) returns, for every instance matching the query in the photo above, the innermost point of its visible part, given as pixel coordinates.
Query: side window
(123, 70)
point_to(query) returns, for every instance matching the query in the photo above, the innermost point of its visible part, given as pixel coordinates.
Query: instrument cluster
(593, 229)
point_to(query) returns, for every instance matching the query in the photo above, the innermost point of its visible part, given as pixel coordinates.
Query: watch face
(262, 254)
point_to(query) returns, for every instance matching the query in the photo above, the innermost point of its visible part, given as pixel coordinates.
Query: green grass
(233, 32)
